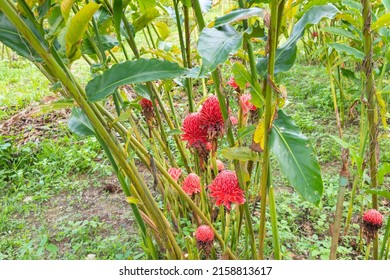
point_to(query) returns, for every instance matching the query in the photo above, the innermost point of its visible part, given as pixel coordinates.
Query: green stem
(372, 107)
(274, 224)
(272, 45)
(343, 183)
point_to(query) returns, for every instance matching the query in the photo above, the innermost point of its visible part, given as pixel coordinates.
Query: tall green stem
(372, 112)
(272, 45)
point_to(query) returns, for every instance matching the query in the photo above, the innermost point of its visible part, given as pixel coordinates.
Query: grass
(52, 190)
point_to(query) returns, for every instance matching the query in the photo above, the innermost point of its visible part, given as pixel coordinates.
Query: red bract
(175, 173)
(147, 109)
(372, 222)
(373, 217)
(191, 184)
(204, 234)
(232, 83)
(193, 132)
(226, 189)
(211, 118)
(146, 103)
(245, 104)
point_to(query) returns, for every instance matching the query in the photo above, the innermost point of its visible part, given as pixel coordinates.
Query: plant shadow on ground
(60, 200)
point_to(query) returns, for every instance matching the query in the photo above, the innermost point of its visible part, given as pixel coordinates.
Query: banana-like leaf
(341, 48)
(285, 55)
(80, 124)
(131, 72)
(147, 17)
(11, 37)
(146, 4)
(238, 15)
(383, 21)
(215, 45)
(76, 29)
(66, 7)
(383, 193)
(296, 157)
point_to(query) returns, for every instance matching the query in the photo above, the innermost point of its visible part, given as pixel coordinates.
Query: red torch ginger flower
(245, 103)
(147, 109)
(204, 236)
(193, 132)
(372, 222)
(191, 184)
(211, 118)
(175, 173)
(232, 83)
(226, 189)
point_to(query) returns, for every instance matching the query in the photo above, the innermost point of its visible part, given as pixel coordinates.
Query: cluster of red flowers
(226, 189)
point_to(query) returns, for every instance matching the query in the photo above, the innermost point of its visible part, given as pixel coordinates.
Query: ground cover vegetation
(194, 129)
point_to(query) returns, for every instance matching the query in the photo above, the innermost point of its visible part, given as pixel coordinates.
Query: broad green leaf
(147, 17)
(43, 9)
(108, 43)
(383, 21)
(296, 157)
(341, 48)
(240, 153)
(117, 11)
(340, 32)
(66, 7)
(382, 171)
(80, 124)
(76, 29)
(238, 15)
(215, 45)
(11, 37)
(285, 55)
(131, 72)
(285, 59)
(383, 193)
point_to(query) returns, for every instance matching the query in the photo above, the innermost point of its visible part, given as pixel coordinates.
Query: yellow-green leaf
(147, 17)
(66, 7)
(258, 136)
(132, 200)
(382, 108)
(162, 29)
(76, 29)
(383, 21)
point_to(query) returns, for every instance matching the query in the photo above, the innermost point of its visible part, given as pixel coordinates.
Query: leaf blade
(296, 158)
(131, 72)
